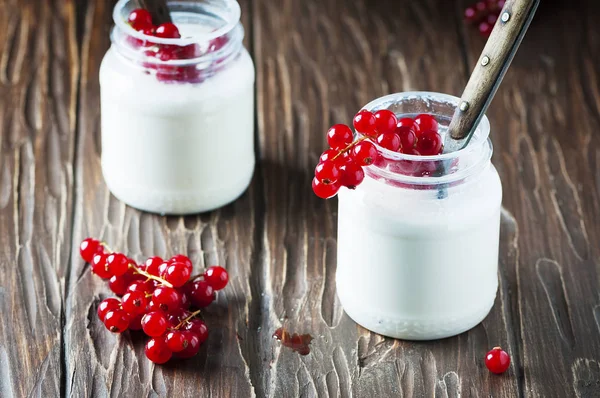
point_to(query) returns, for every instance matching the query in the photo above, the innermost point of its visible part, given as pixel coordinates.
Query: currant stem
(364, 137)
(183, 322)
(150, 276)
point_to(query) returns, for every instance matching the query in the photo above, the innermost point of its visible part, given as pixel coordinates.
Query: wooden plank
(38, 85)
(330, 57)
(545, 129)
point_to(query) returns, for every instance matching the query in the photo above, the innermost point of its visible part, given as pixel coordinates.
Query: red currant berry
(325, 191)
(167, 298)
(177, 341)
(99, 266)
(140, 19)
(408, 122)
(180, 258)
(339, 136)
(145, 287)
(352, 175)
(471, 14)
(426, 122)
(88, 248)
(167, 31)
(119, 284)
(198, 327)
(408, 138)
(389, 141)
(386, 121)
(152, 264)
(365, 123)
(106, 305)
(175, 317)
(177, 274)
(154, 323)
(497, 360)
(117, 264)
(327, 172)
(202, 294)
(217, 277)
(117, 321)
(186, 302)
(429, 143)
(135, 303)
(364, 153)
(157, 350)
(485, 29)
(328, 155)
(193, 345)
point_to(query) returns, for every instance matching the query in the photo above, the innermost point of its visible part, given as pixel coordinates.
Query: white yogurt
(177, 148)
(413, 266)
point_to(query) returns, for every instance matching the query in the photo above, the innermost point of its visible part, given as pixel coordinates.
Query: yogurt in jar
(413, 263)
(173, 146)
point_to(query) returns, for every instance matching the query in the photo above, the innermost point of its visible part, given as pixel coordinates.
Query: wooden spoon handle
(490, 69)
(158, 9)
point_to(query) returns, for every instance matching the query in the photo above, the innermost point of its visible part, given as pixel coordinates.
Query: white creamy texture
(415, 267)
(177, 148)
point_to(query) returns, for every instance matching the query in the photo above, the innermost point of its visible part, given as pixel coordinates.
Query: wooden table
(318, 61)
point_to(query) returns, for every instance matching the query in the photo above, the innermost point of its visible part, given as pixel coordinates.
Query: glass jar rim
(231, 22)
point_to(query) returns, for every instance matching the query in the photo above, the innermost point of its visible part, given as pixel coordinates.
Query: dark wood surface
(318, 61)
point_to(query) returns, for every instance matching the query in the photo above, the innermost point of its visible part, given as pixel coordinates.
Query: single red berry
(193, 345)
(167, 30)
(339, 136)
(135, 303)
(408, 137)
(386, 121)
(352, 175)
(325, 191)
(154, 323)
(140, 19)
(408, 122)
(177, 341)
(106, 305)
(175, 317)
(88, 248)
(202, 294)
(429, 143)
(152, 264)
(328, 155)
(99, 266)
(119, 284)
(327, 172)
(117, 321)
(389, 141)
(157, 350)
(217, 277)
(365, 123)
(141, 286)
(180, 258)
(364, 153)
(177, 274)
(186, 302)
(426, 122)
(497, 360)
(198, 327)
(117, 263)
(485, 29)
(167, 298)
(471, 14)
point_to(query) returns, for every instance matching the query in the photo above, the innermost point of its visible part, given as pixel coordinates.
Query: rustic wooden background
(318, 61)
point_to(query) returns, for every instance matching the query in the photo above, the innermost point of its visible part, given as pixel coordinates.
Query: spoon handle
(158, 9)
(491, 67)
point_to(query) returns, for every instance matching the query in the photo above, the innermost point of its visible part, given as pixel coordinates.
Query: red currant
(106, 305)
(364, 153)
(193, 345)
(426, 122)
(177, 274)
(325, 191)
(117, 321)
(365, 123)
(217, 277)
(408, 138)
(180, 258)
(117, 264)
(135, 303)
(154, 323)
(389, 140)
(175, 317)
(157, 350)
(167, 298)
(429, 143)
(327, 172)
(141, 286)
(140, 19)
(167, 30)
(202, 294)
(328, 155)
(497, 360)
(352, 175)
(162, 269)
(152, 264)
(198, 327)
(177, 341)
(88, 248)
(119, 284)
(99, 266)
(386, 121)
(408, 122)
(339, 136)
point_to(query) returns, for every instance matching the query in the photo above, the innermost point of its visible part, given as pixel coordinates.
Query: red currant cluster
(484, 15)
(342, 164)
(156, 298)
(141, 20)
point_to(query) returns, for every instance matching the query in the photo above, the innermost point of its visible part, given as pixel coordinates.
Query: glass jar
(418, 239)
(178, 114)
